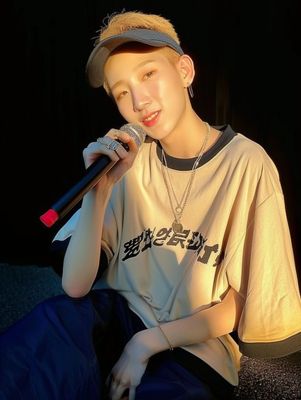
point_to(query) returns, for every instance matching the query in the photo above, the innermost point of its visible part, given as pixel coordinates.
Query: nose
(140, 100)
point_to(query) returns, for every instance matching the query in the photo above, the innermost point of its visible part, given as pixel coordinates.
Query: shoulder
(245, 147)
(252, 154)
(253, 161)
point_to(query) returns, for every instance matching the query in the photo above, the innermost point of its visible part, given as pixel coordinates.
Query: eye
(121, 95)
(148, 74)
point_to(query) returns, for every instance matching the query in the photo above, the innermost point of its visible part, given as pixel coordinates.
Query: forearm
(218, 320)
(81, 261)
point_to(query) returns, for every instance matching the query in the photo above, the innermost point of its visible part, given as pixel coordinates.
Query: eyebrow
(140, 65)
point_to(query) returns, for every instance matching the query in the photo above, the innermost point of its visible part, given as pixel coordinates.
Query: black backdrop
(248, 74)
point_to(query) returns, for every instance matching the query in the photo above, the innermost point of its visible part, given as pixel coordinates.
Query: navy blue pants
(65, 348)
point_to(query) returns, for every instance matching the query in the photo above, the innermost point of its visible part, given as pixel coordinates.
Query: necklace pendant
(177, 227)
(179, 210)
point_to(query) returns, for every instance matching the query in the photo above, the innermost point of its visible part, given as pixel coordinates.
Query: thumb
(132, 391)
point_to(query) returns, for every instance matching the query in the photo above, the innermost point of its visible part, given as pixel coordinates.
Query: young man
(191, 231)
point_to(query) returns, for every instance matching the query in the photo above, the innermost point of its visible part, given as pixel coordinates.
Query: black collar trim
(185, 164)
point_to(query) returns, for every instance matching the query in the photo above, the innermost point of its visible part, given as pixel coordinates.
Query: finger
(117, 389)
(118, 134)
(132, 393)
(94, 150)
(116, 145)
(124, 137)
(109, 380)
(104, 140)
(108, 143)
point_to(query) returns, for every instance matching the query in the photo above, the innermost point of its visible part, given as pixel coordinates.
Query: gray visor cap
(102, 50)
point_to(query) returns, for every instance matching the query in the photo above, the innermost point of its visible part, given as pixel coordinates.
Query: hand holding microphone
(119, 146)
(97, 167)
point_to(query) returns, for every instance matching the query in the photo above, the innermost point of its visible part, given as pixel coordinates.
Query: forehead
(132, 56)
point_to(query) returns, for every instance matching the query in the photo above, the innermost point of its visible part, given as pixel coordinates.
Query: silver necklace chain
(180, 205)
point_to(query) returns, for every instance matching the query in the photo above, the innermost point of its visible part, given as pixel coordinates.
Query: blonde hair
(125, 21)
(117, 23)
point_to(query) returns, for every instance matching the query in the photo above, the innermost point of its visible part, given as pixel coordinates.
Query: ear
(186, 69)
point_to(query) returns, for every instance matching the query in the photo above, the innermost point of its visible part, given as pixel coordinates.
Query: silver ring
(103, 141)
(109, 143)
(113, 145)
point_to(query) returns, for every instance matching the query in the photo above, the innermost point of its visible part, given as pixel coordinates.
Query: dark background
(248, 74)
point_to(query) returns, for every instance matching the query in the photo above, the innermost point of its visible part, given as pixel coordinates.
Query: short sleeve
(263, 271)
(110, 229)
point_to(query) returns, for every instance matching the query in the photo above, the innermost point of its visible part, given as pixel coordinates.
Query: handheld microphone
(92, 175)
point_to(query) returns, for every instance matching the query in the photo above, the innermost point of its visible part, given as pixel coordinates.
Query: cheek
(125, 108)
(171, 92)
(127, 113)
(170, 87)
(162, 90)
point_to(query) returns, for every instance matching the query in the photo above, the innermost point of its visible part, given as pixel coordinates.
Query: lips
(151, 119)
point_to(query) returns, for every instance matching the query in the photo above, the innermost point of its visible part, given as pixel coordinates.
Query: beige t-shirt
(235, 234)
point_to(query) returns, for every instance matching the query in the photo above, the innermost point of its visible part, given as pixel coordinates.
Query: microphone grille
(136, 132)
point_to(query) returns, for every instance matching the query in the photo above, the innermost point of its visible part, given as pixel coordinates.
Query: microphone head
(136, 132)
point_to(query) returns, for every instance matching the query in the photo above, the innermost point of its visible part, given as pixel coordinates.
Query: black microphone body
(92, 175)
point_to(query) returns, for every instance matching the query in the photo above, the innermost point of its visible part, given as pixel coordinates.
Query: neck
(186, 142)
